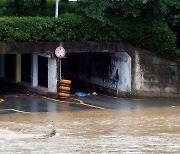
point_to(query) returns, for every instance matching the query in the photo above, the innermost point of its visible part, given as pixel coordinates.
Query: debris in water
(94, 93)
(80, 94)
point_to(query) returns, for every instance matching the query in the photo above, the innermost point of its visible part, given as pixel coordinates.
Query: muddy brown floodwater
(147, 130)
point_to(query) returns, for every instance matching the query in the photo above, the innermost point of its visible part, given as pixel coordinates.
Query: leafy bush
(148, 34)
(145, 33)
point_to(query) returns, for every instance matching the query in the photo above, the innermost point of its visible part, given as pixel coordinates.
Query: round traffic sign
(60, 52)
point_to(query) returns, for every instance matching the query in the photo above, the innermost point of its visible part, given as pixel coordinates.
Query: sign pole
(58, 60)
(60, 69)
(59, 53)
(58, 76)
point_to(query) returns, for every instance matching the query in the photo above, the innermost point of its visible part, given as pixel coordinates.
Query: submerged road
(101, 124)
(12, 97)
(109, 102)
(23, 101)
(135, 126)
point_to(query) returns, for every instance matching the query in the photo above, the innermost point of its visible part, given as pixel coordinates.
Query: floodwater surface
(146, 130)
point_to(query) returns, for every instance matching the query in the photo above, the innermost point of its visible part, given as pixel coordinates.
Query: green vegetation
(149, 24)
(168, 10)
(33, 8)
(152, 35)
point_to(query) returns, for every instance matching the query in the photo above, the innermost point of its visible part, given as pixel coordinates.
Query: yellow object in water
(1, 100)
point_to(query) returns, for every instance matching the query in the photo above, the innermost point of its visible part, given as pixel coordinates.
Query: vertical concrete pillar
(18, 67)
(34, 70)
(2, 66)
(52, 75)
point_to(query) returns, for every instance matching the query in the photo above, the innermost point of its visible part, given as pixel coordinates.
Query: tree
(43, 2)
(65, 1)
(168, 10)
(16, 3)
(161, 10)
(95, 9)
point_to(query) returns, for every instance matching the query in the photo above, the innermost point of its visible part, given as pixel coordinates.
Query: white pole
(56, 10)
(56, 16)
(59, 60)
(34, 70)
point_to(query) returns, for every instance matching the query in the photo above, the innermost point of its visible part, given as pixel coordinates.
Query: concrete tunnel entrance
(24, 68)
(95, 71)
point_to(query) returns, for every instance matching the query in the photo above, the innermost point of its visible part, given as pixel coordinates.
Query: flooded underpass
(92, 124)
(144, 130)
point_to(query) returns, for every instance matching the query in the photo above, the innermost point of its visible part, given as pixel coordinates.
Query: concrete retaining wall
(155, 76)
